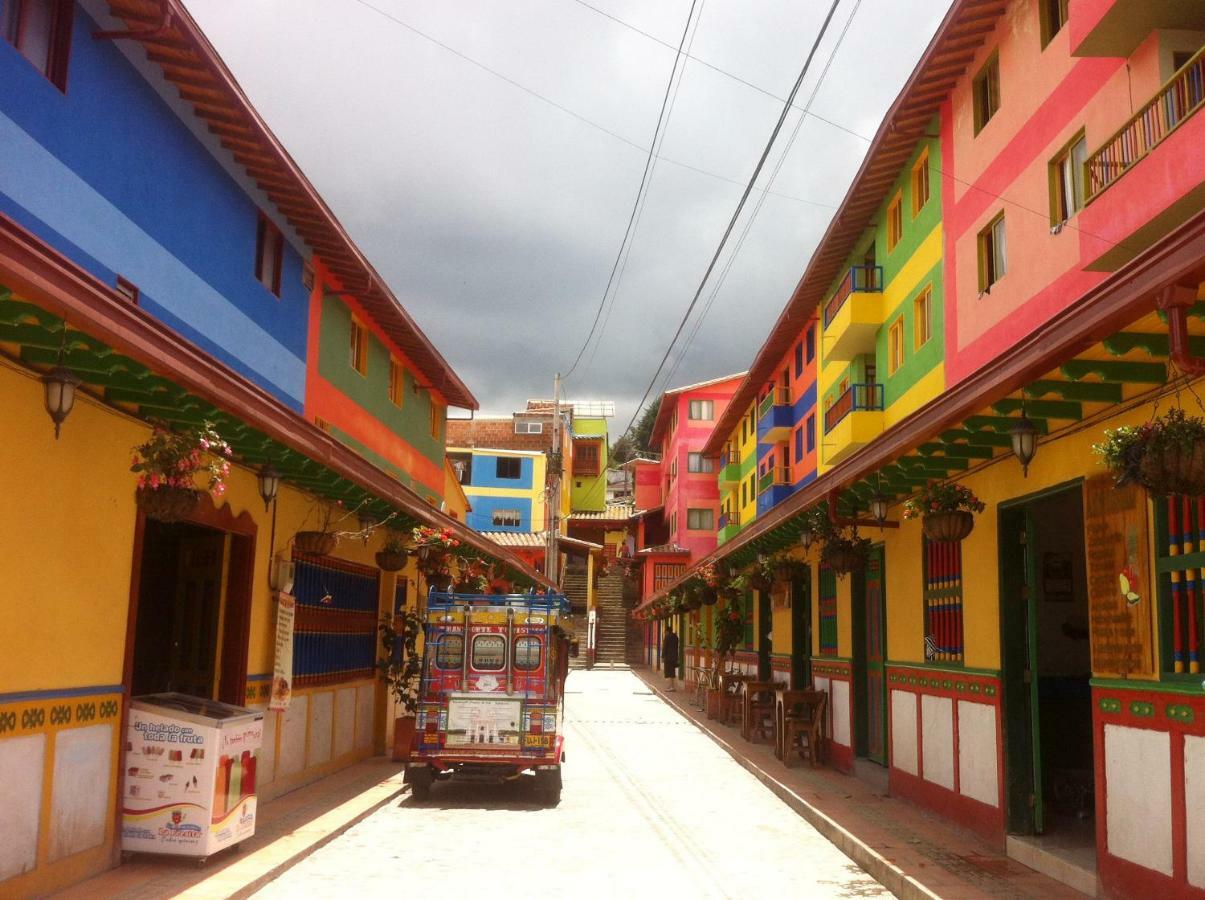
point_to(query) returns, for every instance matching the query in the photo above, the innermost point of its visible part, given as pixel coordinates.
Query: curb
(876, 865)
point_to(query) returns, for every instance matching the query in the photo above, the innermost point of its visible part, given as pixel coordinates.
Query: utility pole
(552, 553)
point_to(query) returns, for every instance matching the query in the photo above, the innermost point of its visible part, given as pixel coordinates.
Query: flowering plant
(437, 538)
(730, 629)
(1165, 455)
(939, 497)
(401, 665)
(195, 459)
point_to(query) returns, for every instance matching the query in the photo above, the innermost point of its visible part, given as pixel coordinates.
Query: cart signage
(477, 721)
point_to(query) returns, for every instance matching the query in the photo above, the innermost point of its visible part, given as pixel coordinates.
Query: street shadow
(517, 796)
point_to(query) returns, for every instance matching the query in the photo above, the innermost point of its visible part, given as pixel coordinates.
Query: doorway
(1049, 757)
(870, 656)
(801, 631)
(190, 609)
(765, 626)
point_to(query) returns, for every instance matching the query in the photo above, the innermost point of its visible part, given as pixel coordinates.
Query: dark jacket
(669, 653)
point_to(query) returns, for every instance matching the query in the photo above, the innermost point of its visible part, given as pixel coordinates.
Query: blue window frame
(811, 427)
(810, 340)
(798, 444)
(798, 359)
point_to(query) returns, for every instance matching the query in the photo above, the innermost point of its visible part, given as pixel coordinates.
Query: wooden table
(758, 698)
(730, 697)
(784, 698)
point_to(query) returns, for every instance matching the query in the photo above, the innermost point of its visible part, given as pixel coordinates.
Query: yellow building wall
(747, 451)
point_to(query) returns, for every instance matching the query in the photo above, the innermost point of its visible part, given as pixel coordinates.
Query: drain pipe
(142, 34)
(1175, 300)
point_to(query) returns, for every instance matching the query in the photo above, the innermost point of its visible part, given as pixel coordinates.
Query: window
(307, 274)
(397, 382)
(1067, 181)
(702, 410)
(811, 426)
(269, 251)
(41, 32)
(744, 496)
(810, 340)
(128, 289)
(922, 317)
(436, 419)
(506, 518)
(895, 222)
(992, 256)
(697, 462)
(985, 92)
(586, 458)
(528, 426)
(895, 345)
(799, 359)
(798, 444)
(449, 653)
(462, 465)
(508, 467)
(489, 652)
(359, 346)
(527, 653)
(1054, 17)
(700, 520)
(920, 183)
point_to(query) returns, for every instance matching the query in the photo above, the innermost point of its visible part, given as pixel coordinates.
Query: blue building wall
(109, 175)
(485, 473)
(481, 517)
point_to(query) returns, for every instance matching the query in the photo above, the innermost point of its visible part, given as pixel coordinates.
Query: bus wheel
(420, 778)
(548, 786)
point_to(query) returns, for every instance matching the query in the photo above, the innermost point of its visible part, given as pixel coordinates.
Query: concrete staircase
(612, 629)
(573, 586)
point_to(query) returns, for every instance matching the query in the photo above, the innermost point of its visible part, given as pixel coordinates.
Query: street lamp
(269, 484)
(1024, 437)
(59, 386)
(878, 508)
(806, 537)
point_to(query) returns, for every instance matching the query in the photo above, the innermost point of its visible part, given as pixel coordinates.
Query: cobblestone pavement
(651, 807)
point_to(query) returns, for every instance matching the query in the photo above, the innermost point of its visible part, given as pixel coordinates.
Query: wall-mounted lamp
(1024, 437)
(269, 484)
(806, 537)
(878, 508)
(59, 386)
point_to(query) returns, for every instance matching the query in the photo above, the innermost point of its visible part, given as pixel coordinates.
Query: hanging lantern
(806, 537)
(1024, 437)
(59, 385)
(878, 508)
(269, 484)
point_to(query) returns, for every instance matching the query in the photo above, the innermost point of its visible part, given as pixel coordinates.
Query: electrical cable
(648, 163)
(739, 207)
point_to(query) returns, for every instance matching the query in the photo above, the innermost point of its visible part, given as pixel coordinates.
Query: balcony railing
(858, 278)
(771, 477)
(779, 396)
(1175, 103)
(856, 397)
(729, 518)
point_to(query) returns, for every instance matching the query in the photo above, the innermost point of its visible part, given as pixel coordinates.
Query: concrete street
(651, 807)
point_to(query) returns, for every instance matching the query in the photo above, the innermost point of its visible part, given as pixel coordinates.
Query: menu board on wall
(282, 668)
(1121, 593)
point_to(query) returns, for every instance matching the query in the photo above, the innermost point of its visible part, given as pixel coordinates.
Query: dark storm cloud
(496, 218)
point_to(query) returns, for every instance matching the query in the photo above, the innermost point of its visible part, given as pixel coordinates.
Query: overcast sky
(496, 216)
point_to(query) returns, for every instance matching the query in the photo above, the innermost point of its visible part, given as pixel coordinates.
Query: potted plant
(737, 587)
(433, 547)
(1165, 455)
(176, 467)
(845, 553)
(474, 577)
(400, 668)
(712, 581)
(761, 576)
(946, 510)
(729, 633)
(392, 557)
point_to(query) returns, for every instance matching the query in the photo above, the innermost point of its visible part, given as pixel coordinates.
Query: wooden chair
(803, 725)
(732, 700)
(758, 718)
(702, 681)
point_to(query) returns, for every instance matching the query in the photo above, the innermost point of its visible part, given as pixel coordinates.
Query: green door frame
(864, 669)
(765, 626)
(801, 630)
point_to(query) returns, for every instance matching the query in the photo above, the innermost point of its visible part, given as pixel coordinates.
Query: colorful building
(1021, 254)
(505, 488)
(162, 260)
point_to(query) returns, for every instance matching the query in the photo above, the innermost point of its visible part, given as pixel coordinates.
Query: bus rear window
(527, 653)
(489, 652)
(449, 654)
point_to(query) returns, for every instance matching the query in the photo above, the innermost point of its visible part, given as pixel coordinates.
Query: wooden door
(192, 660)
(801, 631)
(875, 655)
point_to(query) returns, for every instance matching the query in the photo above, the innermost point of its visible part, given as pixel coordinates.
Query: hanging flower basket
(391, 560)
(948, 526)
(165, 503)
(441, 581)
(761, 582)
(1174, 468)
(1165, 455)
(709, 596)
(845, 555)
(317, 543)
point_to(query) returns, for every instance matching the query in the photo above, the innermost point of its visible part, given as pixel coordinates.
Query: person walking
(669, 655)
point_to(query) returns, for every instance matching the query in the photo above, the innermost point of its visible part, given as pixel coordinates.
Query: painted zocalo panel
(978, 775)
(265, 768)
(903, 731)
(1138, 797)
(345, 721)
(322, 712)
(840, 698)
(822, 684)
(1194, 797)
(292, 736)
(21, 771)
(80, 806)
(364, 718)
(937, 740)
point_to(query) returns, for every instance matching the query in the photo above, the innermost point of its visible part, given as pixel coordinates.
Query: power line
(740, 206)
(648, 162)
(643, 203)
(738, 79)
(561, 107)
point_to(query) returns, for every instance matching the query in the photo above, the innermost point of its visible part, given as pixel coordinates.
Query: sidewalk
(290, 828)
(912, 853)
